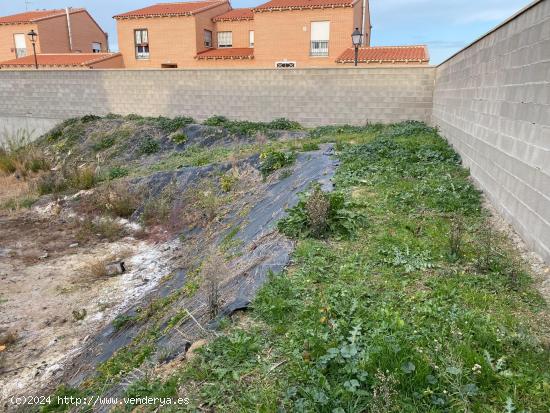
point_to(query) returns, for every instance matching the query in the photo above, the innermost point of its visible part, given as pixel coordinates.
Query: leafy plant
(321, 214)
(272, 160)
(179, 138)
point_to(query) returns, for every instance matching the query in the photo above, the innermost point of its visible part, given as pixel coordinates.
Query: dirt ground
(50, 302)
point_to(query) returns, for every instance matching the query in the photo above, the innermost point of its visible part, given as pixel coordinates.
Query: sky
(446, 26)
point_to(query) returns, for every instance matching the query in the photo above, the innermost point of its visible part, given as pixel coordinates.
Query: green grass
(389, 320)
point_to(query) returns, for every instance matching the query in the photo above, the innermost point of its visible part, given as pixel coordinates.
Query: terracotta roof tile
(170, 9)
(235, 14)
(387, 54)
(227, 53)
(60, 59)
(303, 4)
(30, 16)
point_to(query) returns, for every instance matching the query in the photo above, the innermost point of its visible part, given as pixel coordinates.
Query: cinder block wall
(310, 96)
(492, 103)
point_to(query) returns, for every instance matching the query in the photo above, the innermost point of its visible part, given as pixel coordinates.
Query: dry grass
(212, 272)
(8, 337)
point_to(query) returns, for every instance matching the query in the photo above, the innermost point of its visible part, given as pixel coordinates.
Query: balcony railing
(319, 48)
(20, 53)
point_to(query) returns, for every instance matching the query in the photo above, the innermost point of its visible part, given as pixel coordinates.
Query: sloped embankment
(190, 209)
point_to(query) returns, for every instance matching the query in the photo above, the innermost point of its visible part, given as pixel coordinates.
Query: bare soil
(47, 287)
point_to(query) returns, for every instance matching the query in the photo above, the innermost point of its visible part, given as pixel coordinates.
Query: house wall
(240, 29)
(492, 103)
(7, 42)
(54, 35)
(85, 31)
(171, 39)
(204, 21)
(286, 35)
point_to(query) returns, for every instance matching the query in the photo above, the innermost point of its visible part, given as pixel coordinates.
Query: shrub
(272, 160)
(408, 128)
(248, 128)
(322, 214)
(149, 146)
(133, 116)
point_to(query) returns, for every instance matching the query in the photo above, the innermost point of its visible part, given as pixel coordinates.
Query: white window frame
(20, 51)
(206, 42)
(141, 46)
(251, 39)
(319, 46)
(225, 39)
(285, 65)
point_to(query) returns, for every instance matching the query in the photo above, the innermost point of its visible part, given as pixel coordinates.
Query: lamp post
(33, 35)
(356, 39)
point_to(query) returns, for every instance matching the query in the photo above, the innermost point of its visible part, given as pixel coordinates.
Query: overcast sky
(445, 25)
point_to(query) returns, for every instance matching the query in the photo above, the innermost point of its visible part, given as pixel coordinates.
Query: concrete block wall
(492, 103)
(310, 96)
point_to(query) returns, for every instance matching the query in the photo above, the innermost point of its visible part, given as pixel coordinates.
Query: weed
(123, 320)
(227, 182)
(105, 143)
(179, 138)
(456, 235)
(320, 214)
(149, 146)
(272, 160)
(89, 118)
(101, 227)
(117, 172)
(8, 337)
(249, 128)
(172, 125)
(16, 204)
(79, 315)
(18, 154)
(310, 146)
(212, 271)
(114, 199)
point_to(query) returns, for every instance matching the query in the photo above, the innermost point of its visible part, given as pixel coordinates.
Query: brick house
(59, 31)
(279, 33)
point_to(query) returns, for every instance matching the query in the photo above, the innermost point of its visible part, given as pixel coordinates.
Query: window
(251, 38)
(320, 32)
(207, 38)
(141, 37)
(20, 45)
(225, 39)
(285, 65)
(96, 47)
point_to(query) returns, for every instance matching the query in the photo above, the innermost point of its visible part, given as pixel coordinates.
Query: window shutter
(138, 36)
(144, 36)
(320, 31)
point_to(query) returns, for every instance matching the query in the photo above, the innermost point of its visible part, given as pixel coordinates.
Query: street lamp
(356, 38)
(33, 35)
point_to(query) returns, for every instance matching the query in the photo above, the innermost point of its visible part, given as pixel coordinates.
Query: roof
(235, 14)
(387, 54)
(171, 9)
(60, 59)
(32, 16)
(226, 53)
(303, 4)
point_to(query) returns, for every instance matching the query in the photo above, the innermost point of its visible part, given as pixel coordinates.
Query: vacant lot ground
(409, 301)
(404, 293)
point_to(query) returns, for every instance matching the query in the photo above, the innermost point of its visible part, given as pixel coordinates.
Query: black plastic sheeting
(263, 251)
